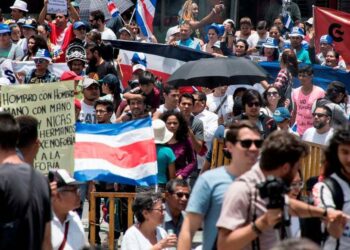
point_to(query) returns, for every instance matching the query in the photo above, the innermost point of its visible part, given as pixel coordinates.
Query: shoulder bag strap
(65, 236)
(220, 105)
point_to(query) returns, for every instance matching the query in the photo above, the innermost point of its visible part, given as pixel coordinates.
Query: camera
(274, 189)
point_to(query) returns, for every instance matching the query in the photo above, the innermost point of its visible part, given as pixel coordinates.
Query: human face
(199, 105)
(221, 90)
(15, 33)
(245, 29)
(186, 106)
(195, 10)
(278, 22)
(102, 115)
(252, 109)
(28, 32)
(325, 47)
(296, 186)
(41, 31)
(31, 44)
(93, 22)
(245, 156)
(16, 14)
(61, 20)
(5, 40)
(273, 96)
(331, 60)
(344, 158)
(274, 33)
(240, 49)
(178, 199)
(268, 52)
(295, 41)
(137, 107)
(77, 66)
(69, 197)
(124, 35)
(291, 172)
(172, 99)
(147, 88)
(41, 64)
(91, 93)
(80, 33)
(185, 32)
(156, 215)
(284, 125)
(172, 124)
(213, 37)
(305, 78)
(90, 56)
(320, 118)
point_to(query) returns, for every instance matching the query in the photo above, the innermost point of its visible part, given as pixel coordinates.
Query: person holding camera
(247, 219)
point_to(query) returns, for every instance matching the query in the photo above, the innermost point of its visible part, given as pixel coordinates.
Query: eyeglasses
(40, 60)
(297, 185)
(251, 104)
(162, 209)
(248, 143)
(320, 115)
(181, 194)
(101, 111)
(272, 93)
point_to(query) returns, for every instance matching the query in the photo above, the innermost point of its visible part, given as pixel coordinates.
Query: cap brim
(278, 119)
(17, 8)
(46, 58)
(296, 35)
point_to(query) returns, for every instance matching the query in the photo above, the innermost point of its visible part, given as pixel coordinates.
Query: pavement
(104, 231)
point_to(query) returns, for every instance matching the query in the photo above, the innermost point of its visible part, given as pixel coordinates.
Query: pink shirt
(303, 107)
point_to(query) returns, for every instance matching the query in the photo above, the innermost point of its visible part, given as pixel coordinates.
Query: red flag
(336, 24)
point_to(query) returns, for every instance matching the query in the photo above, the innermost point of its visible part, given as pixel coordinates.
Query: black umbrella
(214, 72)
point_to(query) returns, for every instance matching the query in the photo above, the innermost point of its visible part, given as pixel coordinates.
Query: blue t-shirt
(193, 44)
(303, 56)
(165, 156)
(206, 199)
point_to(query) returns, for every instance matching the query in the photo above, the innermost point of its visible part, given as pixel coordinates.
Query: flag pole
(132, 15)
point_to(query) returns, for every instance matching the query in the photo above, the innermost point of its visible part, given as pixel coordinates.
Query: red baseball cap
(70, 75)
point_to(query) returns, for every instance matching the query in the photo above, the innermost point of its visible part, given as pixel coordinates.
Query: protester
(282, 118)
(274, 9)
(104, 111)
(333, 60)
(35, 43)
(270, 49)
(146, 233)
(111, 89)
(185, 37)
(213, 37)
(26, 206)
(137, 109)
(243, 141)
(296, 38)
(28, 30)
(321, 132)
(125, 34)
(76, 59)
(15, 33)
(18, 10)
(176, 198)
(171, 96)
(79, 30)
(91, 93)
(220, 102)
(245, 220)
(8, 50)
(67, 228)
(271, 98)
(97, 21)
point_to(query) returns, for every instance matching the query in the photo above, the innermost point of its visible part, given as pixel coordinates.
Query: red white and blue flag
(145, 10)
(123, 153)
(112, 8)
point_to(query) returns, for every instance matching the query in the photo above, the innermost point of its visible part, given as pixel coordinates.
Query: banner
(336, 24)
(9, 68)
(57, 6)
(52, 104)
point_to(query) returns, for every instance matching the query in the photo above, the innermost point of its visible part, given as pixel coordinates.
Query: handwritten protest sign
(52, 104)
(57, 6)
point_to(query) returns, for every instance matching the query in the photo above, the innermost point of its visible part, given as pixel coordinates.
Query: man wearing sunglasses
(176, 198)
(245, 219)
(321, 132)
(41, 73)
(243, 141)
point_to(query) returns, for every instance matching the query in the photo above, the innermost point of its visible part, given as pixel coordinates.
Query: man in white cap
(18, 10)
(91, 92)
(296, 38)
(41, 73)
(67, 228)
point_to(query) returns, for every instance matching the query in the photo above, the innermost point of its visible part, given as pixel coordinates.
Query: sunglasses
(320, 115)
(251, 104)
(272, 93)
(248, 143)
(181, 194)
(297, 185)
(37, 61)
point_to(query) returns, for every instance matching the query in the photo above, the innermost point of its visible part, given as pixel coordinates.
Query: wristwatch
(256, 229)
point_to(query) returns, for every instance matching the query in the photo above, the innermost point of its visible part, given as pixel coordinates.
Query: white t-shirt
(214, 102)
(76, 238)
(162, 109)
(311, 135)
(87, 113)
(108, 34)
(135, 240)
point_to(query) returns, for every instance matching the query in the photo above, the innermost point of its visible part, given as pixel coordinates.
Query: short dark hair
(233, 131)
(188, 96)
(332, 163)
(328, 110)
(306, 69)
(246, 45)
(146, 77)
(28, 133)
(94, 47)
(107, 103)
(281, 147)
(249, 95)
(144, 201)
(98, 15)
(9, 131)
(172, 184)
(167, 89)
(201, 96)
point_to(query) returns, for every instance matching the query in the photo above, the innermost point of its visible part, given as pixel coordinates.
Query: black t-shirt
(101, 70)
(15, 181)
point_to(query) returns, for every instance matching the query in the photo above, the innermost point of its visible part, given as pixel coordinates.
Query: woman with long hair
(271, 97)
(146, 233)
(213, 37)
(180, 143)
(35, 42)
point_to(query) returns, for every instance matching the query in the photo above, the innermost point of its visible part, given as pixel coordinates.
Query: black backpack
(311, 227)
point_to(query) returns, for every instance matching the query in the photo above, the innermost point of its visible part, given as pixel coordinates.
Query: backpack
(312, 227)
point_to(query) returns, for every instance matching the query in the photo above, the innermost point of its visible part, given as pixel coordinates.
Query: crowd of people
(265, 129)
